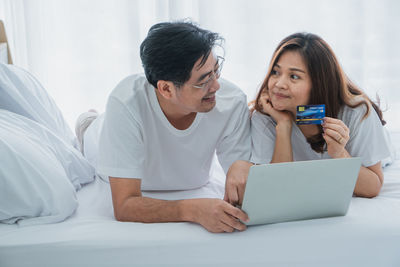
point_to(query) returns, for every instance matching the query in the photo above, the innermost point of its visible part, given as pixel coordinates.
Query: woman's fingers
(264, 102)
(336, 129)
(329, 140)
(335, 136)
(331, 122)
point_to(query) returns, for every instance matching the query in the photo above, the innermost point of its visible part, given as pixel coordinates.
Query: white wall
(80, 49)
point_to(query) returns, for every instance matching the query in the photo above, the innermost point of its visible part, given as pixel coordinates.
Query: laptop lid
(300, 190)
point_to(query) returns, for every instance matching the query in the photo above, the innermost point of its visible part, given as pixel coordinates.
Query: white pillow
(76, 166)
(21, 93)
(34, 187)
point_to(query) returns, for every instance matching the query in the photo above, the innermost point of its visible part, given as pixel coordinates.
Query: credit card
(310, 114)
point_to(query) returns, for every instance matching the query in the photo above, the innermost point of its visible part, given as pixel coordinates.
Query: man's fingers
(232, 222)
(241, 190)
(232, 195)
(237, 213)
(226, 196)
(226, 227)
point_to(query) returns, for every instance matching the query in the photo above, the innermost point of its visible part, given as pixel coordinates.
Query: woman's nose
(281, 82)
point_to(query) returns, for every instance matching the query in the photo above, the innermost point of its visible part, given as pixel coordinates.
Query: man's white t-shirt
(367, 138)
(137, 140)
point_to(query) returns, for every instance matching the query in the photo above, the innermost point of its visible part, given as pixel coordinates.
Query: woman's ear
(166, 88)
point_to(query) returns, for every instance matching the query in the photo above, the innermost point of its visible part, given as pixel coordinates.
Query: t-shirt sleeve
(263, 137)
(121, 146)
(236, 143)
(367, 138)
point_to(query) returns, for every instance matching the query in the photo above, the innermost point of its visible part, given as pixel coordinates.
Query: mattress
(369, 235)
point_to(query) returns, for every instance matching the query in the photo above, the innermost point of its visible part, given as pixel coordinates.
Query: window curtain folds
(80, 50)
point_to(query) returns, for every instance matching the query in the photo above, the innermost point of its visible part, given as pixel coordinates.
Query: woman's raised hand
(268, 109)
(336, 135)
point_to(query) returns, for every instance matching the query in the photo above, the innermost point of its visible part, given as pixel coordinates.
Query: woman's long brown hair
(330, 85)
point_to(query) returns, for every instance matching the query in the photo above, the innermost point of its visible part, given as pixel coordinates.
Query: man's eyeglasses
(205, 86)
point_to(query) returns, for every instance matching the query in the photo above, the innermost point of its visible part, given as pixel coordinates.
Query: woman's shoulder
(262, 126)
(363, 116)
(351, 115)
(258, 117)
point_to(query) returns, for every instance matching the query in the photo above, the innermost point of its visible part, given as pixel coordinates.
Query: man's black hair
(171, 49)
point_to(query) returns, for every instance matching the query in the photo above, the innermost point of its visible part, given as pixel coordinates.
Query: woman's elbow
(372, 191)
(375, 190)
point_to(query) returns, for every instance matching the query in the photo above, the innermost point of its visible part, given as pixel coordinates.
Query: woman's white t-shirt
(137, 140)
(366, 141)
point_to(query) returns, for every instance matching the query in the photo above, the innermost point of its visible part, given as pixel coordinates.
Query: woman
(305, 71)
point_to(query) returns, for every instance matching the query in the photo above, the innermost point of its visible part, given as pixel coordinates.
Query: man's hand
(214, 214)
(218, 216)
(236, 179)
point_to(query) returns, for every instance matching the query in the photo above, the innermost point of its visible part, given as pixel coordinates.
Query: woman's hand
(283, 146)
(281, 117)
(336, 135)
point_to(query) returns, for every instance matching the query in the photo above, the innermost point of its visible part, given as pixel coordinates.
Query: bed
(369, 235)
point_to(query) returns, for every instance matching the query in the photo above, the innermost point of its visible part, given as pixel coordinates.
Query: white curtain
(80, 49)
(12, 13)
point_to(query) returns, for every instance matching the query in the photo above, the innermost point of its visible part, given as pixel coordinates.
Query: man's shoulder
(230, 90)
(131, 87)
(230, 96)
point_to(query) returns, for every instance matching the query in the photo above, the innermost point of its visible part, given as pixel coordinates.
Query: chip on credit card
(310, 114)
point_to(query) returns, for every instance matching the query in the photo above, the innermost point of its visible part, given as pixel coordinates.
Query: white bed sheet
(369, 235)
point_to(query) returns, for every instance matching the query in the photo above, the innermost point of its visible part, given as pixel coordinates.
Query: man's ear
(166, 88)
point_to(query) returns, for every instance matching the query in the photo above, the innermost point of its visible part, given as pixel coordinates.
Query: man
(161, 130)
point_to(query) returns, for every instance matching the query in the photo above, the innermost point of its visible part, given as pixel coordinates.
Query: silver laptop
(300, 190)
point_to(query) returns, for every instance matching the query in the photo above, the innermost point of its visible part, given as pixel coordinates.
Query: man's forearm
(144, 209)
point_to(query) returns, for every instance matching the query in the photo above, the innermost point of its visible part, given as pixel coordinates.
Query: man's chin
(207, 107)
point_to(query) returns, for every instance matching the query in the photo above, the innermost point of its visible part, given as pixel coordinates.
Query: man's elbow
(127, 212)
(119, 214)
(122, 213)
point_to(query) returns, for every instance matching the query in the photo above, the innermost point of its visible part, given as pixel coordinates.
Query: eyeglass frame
(214, 76)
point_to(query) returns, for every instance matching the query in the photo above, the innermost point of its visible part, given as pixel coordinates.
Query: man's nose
(215, 85)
